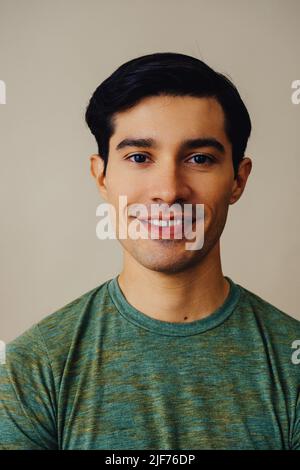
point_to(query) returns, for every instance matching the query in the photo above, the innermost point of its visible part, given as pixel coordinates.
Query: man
(169, 354)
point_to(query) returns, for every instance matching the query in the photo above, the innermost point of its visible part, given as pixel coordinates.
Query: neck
(177, 297)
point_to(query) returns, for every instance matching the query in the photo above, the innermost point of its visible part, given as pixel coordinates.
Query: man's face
(166, 172)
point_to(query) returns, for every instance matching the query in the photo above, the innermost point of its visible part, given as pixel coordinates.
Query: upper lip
(171, 217)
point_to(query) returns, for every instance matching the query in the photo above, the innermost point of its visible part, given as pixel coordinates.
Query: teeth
(164, 223)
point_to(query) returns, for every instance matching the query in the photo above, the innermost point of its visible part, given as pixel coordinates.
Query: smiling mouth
(171, 229)
(170, 222)
(171, 226)
(162, 223)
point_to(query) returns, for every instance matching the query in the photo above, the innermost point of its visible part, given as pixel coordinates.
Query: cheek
(216, 201)
(121, 183)
(120, 186)
(216, 191)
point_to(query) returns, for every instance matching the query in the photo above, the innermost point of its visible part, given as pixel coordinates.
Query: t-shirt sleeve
(27, 395)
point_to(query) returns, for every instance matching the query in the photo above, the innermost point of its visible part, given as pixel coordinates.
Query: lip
(182, 219)
(169, 232)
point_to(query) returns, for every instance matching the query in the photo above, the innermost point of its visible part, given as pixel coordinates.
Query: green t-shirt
(99, 374)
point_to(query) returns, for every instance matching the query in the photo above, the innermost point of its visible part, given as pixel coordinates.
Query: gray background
(53, 54)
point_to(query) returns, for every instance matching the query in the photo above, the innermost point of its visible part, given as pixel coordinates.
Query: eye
(139, 158)
(202, 159)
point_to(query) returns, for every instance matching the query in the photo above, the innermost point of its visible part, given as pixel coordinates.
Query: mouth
(169, 228)
(167, 221)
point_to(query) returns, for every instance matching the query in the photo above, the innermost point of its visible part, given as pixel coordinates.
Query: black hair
(172, 74)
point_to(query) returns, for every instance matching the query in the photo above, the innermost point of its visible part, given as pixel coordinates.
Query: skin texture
(188, 284)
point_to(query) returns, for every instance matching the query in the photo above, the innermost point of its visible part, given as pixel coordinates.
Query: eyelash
(211, 159)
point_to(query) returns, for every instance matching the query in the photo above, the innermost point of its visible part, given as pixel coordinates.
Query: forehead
(171, 118)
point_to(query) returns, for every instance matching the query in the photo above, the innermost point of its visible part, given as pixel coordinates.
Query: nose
(169, 184)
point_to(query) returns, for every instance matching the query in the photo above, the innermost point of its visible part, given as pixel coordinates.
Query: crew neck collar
(170, 328)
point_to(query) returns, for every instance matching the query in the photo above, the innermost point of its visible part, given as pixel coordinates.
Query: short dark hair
(171, 74)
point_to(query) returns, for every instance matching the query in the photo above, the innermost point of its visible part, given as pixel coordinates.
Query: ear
(244, 171)
(97, 171)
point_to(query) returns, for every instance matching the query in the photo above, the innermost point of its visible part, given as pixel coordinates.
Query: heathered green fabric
(99, 374)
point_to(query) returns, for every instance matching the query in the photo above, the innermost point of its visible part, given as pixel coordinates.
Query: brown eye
(139, 158)
(203, 159)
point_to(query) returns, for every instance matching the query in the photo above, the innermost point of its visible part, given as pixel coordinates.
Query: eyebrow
(185, 145)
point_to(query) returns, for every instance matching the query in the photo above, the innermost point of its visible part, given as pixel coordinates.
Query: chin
(168, 264)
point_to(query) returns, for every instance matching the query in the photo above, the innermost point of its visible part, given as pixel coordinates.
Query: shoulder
(65, 319)
(269, 316)
(51, 338)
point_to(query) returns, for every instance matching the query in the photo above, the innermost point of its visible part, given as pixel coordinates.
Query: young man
(169, 354)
